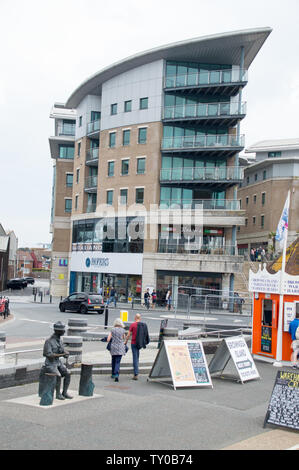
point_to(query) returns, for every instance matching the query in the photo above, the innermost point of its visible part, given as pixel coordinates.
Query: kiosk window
(267, 312)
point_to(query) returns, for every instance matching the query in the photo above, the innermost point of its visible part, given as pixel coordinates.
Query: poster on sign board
(234, 348)
(182, 364)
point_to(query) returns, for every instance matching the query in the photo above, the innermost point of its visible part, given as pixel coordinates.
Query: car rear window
(95, 298)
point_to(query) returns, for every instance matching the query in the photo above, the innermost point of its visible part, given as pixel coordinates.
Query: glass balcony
(207, 141)
(204, 110)
(182, 246)
(205, 78)
(91, 207)
(206, 204)
(92, 155)
(91, 183)
(93, 127)
(66, 129)
(230, 173)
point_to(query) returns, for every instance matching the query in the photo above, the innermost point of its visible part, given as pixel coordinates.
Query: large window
(123, 196)
(66, 151)
(274, 154)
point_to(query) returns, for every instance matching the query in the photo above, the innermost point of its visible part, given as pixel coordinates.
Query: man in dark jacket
(140, 339)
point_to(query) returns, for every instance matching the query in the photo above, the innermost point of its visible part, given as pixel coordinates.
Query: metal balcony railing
(92, 154)
(234, 173)
(93, 126)
(204, 110)
(180, 247)
(206, 77)
(91, 182)
(66, 129)
(207, 141)
(205, 204)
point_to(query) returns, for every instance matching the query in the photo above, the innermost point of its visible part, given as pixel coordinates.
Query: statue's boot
(66, 383)
(59, 396)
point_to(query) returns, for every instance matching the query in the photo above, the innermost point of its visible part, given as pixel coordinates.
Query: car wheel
(83, 309)
(62, 308)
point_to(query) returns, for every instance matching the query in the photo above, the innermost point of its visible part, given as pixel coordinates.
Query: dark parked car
(18, 283)
(83, 302)
(29, 280)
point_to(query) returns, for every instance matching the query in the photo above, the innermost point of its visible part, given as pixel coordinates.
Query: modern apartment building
(145, 187)
(264, 190)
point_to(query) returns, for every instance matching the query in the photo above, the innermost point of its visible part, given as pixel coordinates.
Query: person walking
(168, 299)
(118, 349)
(154, 299)
(294, 332)
(140, 339)
(112, 297)
(147, 296)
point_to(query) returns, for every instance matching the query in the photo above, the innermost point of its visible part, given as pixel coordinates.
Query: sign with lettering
(181, 363)
(263, 281)
(289, 314)
(236, 348)
(283, 409)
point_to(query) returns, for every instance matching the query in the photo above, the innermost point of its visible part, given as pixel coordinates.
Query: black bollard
(86, 385)
(48, 387)
(106, 316)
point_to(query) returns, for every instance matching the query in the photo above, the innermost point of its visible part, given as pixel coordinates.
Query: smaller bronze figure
(53, 351)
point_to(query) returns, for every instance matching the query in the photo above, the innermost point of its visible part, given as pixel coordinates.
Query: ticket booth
(265, 288)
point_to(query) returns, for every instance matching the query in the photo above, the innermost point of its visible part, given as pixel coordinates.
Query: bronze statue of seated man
(53, 351)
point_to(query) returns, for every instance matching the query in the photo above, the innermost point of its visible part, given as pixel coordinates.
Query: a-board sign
(182, 363)
(283, 409)
(236, 348)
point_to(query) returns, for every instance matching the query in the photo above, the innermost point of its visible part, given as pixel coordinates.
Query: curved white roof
(223, 48)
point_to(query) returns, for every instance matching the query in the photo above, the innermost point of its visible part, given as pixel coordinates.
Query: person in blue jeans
(118, 349)
(140, 338)
(112, 297)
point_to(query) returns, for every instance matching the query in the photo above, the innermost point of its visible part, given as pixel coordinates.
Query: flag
(282, 227)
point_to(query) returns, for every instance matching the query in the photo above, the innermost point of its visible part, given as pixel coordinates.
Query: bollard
(41, 297)
(2, 346)
(106, 316)
(35, 297)
(86, 385)
(73, 345)
(50, 298)
(76, 327)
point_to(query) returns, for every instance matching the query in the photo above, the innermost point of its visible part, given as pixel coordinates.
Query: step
(107, 370)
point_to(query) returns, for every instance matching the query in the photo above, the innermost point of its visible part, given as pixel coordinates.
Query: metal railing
(92, 154)
(203, 110)
(17, 353)
(93, 126)
(205, 204)
(202, 173)
(66, 129)
(165, 246)
(206, 77)
(210, 141)
(91, 182)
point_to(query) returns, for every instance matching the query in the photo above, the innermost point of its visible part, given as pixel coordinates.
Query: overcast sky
(49, 47)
